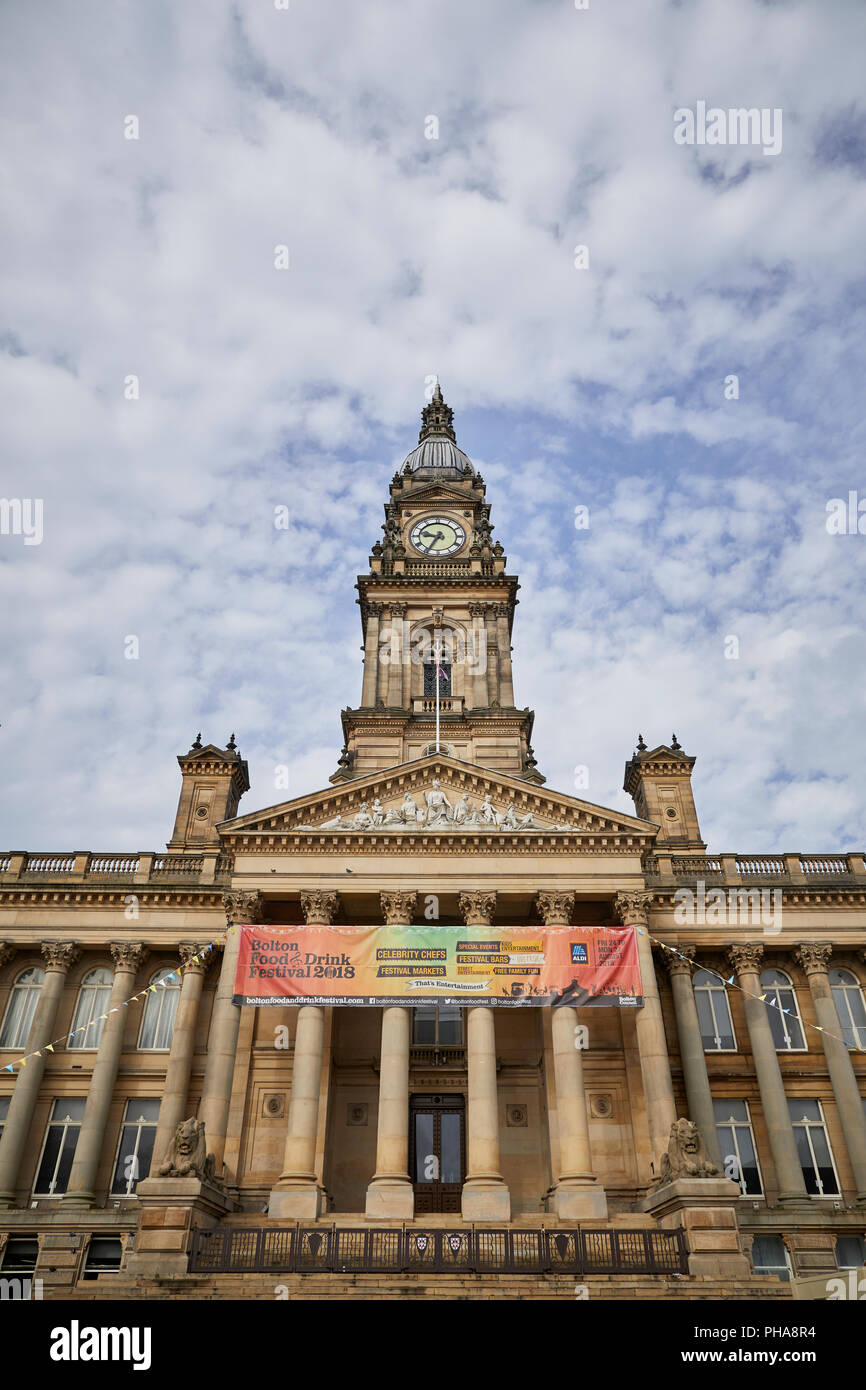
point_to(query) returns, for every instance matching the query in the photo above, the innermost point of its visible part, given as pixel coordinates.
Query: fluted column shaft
(81, 1189)
(789, 1175)
(652, 1043)
(59, 956)
(815, 961)
(697, 1081)
(175, 1093)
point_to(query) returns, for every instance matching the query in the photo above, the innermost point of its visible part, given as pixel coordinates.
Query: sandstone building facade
(116, 980)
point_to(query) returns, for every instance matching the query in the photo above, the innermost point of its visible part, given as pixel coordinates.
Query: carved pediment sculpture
(435, 809)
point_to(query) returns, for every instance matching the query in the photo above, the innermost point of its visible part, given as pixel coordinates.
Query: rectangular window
(103, 1257)
(135, 1150)
(437, 1025)
(737, 1142)
(4, 1111)
(816, 1160)
(769, 1256)
(59, 1149)
(714, 1017)
(850, 1252)
(20, 1255)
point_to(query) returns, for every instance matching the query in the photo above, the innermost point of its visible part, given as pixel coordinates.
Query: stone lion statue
(686, 1156)
(187, 1154)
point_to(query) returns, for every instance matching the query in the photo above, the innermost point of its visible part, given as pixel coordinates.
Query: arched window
(714, 1013)
(157, 1025)
(850, 1007)
(783, 1012)
(93, 998)
(21, 1008)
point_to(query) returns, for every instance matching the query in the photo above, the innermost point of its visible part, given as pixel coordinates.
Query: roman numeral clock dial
(437, 536)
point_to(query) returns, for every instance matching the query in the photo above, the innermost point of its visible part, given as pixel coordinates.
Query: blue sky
(409, 256)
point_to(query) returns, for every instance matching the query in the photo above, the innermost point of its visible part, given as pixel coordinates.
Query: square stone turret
(659, 780)
(214, 780)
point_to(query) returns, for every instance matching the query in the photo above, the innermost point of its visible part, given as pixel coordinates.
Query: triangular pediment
(469, 799)
(437, 492)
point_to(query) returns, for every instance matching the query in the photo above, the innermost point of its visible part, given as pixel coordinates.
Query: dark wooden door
(437, 1152)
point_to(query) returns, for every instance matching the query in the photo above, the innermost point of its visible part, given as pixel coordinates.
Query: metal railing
(398, 1250)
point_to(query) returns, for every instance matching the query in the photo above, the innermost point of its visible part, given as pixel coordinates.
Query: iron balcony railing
(398, 1250)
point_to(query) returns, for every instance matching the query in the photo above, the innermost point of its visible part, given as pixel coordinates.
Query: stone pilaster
(128, 958)
(241, 907)
(815, 960)
(698, 1094)
(395, 657)
(371, 655)
(506, 678)
(633, 910)
(746, 961)
(59, 957)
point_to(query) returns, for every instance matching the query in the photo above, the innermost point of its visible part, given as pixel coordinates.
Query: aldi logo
(578, 953)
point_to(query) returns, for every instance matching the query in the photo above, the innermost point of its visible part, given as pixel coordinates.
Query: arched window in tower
(160, 1010)
(848, 997)
(783, 1012)
(21, 1007)
(93, 997)
(444, 678)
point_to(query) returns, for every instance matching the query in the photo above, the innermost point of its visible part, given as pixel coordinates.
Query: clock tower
(437, 609)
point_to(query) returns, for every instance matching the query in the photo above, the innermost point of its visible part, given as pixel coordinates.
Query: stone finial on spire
(675, 745)
(641, 746)
(437, 418)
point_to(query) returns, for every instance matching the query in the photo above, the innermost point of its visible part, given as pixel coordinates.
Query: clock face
(437, 535)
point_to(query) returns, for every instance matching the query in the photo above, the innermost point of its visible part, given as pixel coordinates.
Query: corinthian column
(577, 1193)
(173, 1106)
(59, 956)
(241, 907)
(485, 1195)
(632, 909)
(746, 961)
(297, 1195)
(128, 958)
(390, 1193)
(815, 960)
(371, 655)
(698, 1094)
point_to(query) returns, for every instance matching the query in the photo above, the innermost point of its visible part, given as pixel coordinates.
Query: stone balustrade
(776, 869)
(209, 866)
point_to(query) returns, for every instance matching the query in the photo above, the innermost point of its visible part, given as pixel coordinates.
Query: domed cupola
(437, 454)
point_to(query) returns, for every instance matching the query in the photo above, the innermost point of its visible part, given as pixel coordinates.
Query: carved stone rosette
(746, 957)
(397, 908)
(242, 906)
(188, 949)
(128, 955)
(7, 951)
(60, 955)
(674, 964)
(320, 907)
(478, 907)
(814, 957)
(555, 909)
(632, 908)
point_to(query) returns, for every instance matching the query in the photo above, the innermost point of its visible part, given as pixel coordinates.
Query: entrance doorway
(437, 1151)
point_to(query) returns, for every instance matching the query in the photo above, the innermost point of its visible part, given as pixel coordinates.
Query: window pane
(125, 1166)
(731, 1110)
(751, 1178)
(68, 1107)
(776, 1028)
(423, 1147)
(147, 1110)
(170, 999)
(804, 1154)
(49, 1159)
(804, 1110)
(450, 1025)
(424, 1026)
(850, 1252)
(145, 1151)
(706, 1020)
(65, 1167)
(20, 1256)
(768, 1256)
(450, 1146)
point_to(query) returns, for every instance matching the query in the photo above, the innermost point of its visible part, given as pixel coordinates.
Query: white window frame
(18, 1041)
(712, 989)
(742, 1124)
(809, 1125)
(161, 991)
(774, 989)
(67, 1125)
(93, 1020)
(775, 1270)
(859, 1045)
(127, 1123)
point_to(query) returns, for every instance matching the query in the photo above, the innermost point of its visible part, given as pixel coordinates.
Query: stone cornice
(84, 895)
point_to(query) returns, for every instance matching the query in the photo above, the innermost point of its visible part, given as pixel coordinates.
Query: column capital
(554, 908)
(813, 957)
(242, 906)
(320, 907)
(397, 908)
(373, 607)
(674, 964)
(478, 907)
(632, 908)
(747, 957)
(192, 957)
(60, 955)
(128, 955)
(398, 610)
(477, 610)
(7, 951)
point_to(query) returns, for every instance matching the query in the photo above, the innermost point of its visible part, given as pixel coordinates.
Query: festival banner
(379, 966)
